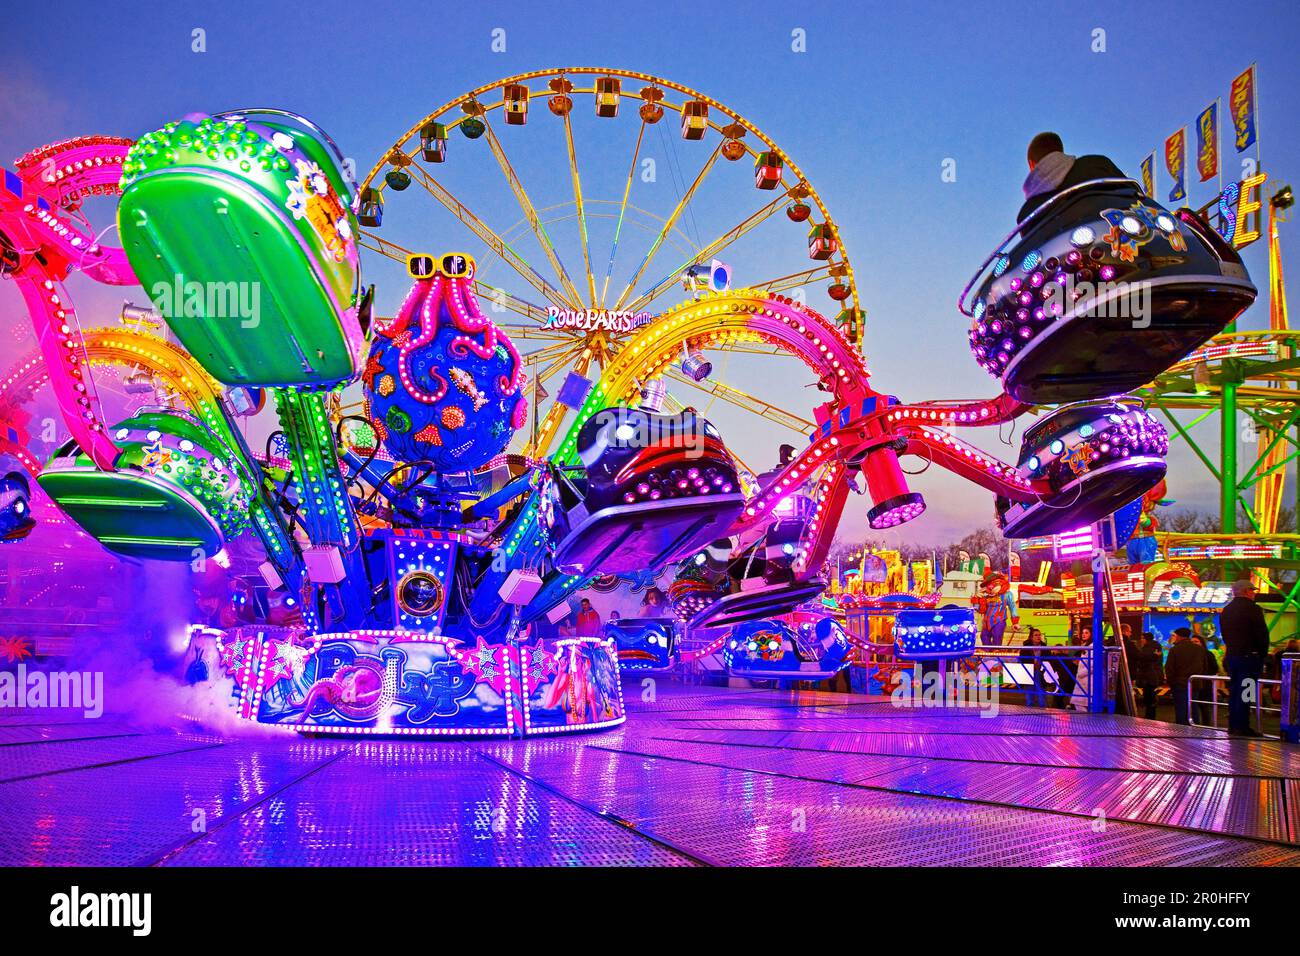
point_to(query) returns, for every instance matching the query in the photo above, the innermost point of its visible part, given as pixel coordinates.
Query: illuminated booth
(1178, 598)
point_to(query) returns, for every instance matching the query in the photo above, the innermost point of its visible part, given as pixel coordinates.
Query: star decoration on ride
(373, 368)
(287, 660)
(236, 655)
(155, 456)
(1078, 458)
(539, 662)
(14, 649)
(485, 663)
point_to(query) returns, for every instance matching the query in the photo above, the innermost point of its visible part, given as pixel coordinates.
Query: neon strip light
(1228, 552)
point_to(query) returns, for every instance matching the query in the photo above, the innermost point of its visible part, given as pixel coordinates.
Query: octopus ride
(415, 544)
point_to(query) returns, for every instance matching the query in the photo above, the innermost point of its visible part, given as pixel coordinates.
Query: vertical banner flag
(1149, 174)
(1175, 163)
(1207, 142)
(1241, 102)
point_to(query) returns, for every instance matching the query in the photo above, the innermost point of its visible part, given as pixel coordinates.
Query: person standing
(1067, 669)
(1245, 642)
(588, 619)
(1148, 671)
(1185, 659)
(1126, 632)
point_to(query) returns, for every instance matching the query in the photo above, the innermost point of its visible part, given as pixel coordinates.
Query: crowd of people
(1246, 659)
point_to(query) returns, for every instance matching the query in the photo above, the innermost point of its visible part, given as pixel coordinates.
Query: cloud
(27, 103)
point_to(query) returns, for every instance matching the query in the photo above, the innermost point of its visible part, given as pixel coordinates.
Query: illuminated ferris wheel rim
(801, 190)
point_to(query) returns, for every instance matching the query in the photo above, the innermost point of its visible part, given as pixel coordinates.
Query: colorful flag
(1149, 174)
(1175, 163)
(1241, 102)
(1207, 142)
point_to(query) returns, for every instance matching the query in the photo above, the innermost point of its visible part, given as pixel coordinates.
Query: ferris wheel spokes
(710, 251)
(489, 237)
(668, 224)
(745, 401)
(622, 210)
(530, 214)
(582, 212)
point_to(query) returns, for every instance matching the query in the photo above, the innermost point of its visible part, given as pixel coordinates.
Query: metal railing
(1044, 682)
(1213, 703)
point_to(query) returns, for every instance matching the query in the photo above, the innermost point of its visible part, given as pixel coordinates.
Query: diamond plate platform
(697, 776)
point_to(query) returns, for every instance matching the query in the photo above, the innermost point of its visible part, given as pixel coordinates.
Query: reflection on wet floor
(697, 776)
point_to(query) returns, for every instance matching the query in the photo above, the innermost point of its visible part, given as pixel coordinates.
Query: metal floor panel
(121, 815)
(741, 817)
(1239, 806)
(60, 756)
(399, 804)
(1291, 793)
(750, 776)
(962, 721)
(47, 716)
(27, 733)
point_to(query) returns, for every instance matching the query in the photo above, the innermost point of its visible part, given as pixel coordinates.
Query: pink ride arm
(993, 411)
(65, 174)
(49, 244)
(65, 359)
(967, 462)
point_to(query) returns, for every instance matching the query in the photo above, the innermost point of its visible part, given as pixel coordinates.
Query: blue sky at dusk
(884, 94)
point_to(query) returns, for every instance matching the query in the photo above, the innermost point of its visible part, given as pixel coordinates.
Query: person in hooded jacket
(1052, 170)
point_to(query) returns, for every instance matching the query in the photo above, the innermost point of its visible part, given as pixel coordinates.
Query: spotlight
(695, 366)
(653, 395)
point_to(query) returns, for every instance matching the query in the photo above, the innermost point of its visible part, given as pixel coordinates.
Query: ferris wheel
(683, 198)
